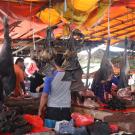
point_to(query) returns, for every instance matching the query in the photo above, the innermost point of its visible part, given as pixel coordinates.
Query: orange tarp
(93, 22)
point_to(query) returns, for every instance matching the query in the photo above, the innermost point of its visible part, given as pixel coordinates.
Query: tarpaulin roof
(28, 18)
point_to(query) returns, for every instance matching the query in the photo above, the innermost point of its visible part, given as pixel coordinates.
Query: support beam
(113, 26)
(25, 33)
(111, 19)
(113, 31)
(25, 40)
(11, 26)
(24, 47)
(58, 24)
(126, 33)
(14, 25)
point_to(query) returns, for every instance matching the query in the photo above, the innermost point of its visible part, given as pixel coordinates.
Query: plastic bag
(82, 120)
(114, 128)
(37, 122)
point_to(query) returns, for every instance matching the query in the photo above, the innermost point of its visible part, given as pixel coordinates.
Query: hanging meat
(49, 52)
(132, 48)
(106, 68)
(103, 75)
(124, 68)
(7, 74)
(71, 63)
(105, 71)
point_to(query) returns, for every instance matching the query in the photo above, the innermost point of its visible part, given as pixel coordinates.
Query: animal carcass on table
(7, 74)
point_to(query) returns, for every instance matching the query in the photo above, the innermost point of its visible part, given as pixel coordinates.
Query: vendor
(56, 96)
(19, 72)
(36, 82)
(33, 73)
(103, 89)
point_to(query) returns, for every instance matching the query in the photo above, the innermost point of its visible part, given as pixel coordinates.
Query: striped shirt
(58, 91)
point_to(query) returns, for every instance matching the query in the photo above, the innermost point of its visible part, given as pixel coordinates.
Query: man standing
(56, 96)
(20, 87)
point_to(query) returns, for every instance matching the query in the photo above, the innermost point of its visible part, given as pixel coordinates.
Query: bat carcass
(7, 74)
(124, 69)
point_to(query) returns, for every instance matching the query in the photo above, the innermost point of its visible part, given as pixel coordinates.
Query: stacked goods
(23, 105)
(11, 122)
(124, 121)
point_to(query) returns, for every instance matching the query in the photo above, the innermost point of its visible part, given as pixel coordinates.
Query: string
(49, 17)
(33, 30)
(34, 45)
(72, 20)
(109, 19)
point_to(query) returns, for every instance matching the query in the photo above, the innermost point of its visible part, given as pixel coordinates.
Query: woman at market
(56, 96)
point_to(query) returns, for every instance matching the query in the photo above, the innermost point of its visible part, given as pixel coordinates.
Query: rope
(72, 11)
(49, 17)
(30, 14)
(109, 19)
(34, 44)
(33, 30)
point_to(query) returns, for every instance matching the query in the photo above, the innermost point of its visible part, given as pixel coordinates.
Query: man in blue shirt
(56, 96)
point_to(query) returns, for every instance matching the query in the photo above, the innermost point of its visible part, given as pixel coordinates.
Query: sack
(99, 128)
(82, 120)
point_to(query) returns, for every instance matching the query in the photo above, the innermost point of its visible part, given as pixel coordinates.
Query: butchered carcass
(124, 68)
(7, 74)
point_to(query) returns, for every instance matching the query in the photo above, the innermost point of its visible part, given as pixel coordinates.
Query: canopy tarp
(28, 18)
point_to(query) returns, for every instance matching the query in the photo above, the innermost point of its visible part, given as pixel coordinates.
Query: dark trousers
(58, 114)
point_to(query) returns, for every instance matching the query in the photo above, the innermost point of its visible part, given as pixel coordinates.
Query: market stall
(51, 34)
